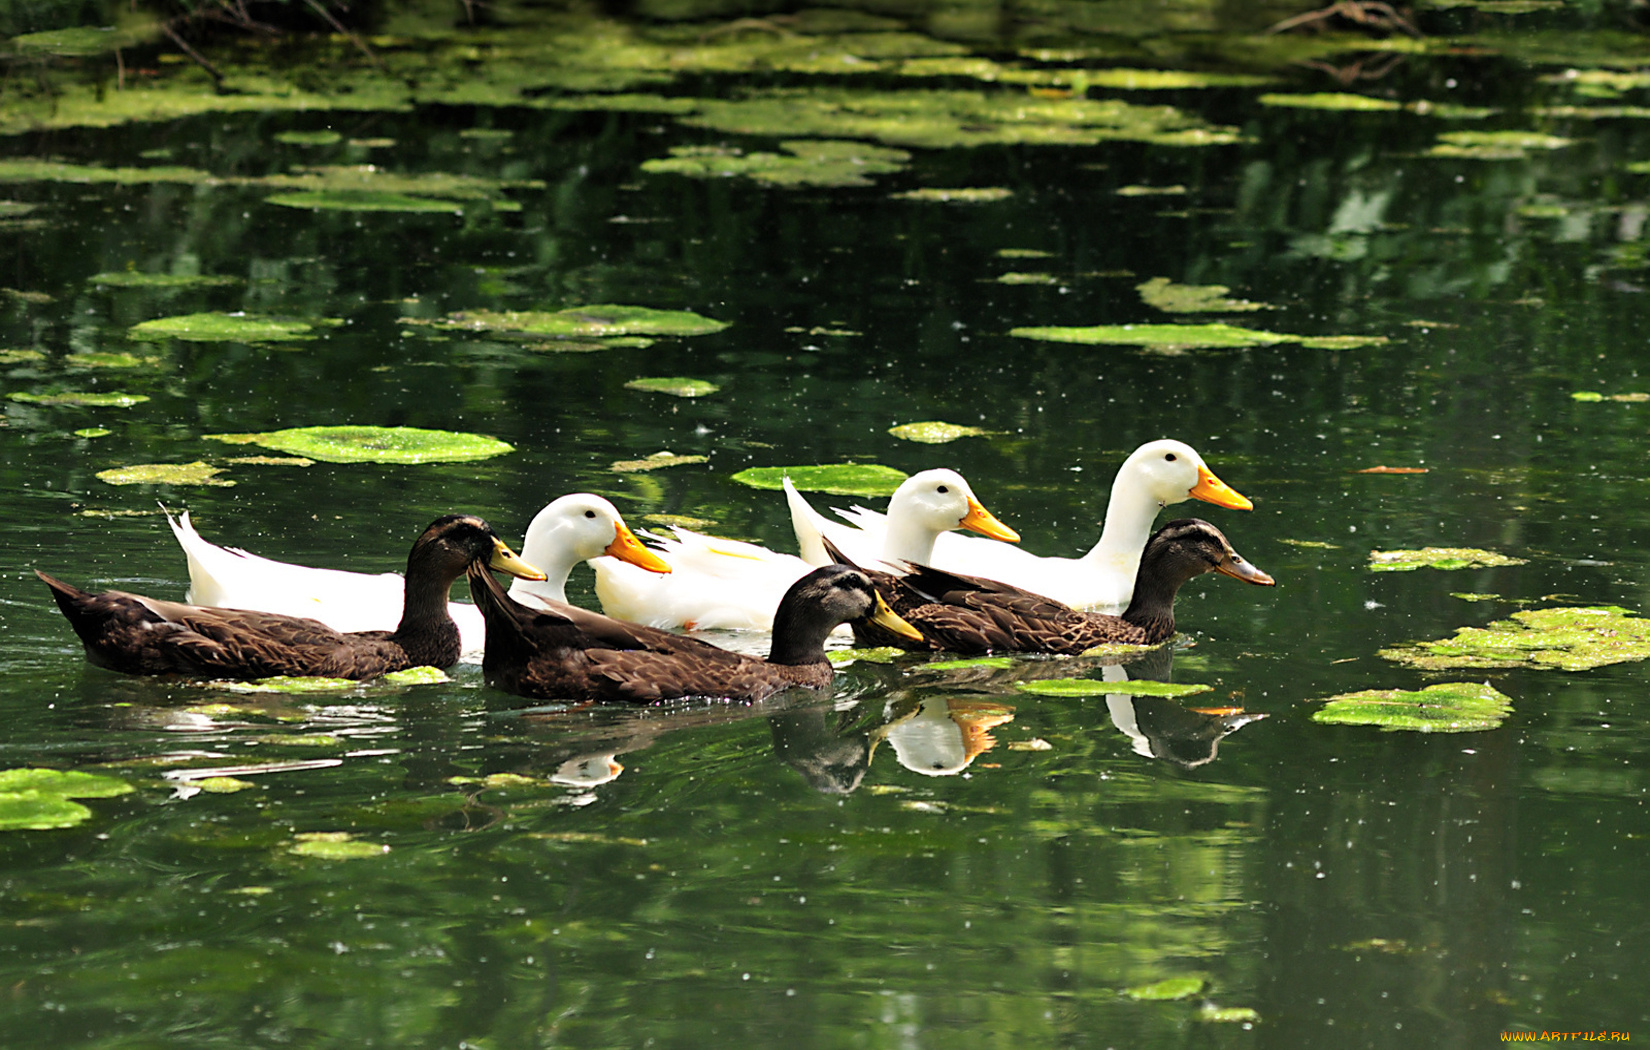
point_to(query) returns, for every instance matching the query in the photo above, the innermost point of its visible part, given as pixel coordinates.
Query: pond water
(922, 858)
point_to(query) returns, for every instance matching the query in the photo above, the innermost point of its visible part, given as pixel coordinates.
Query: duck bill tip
(1239, 569)
(506, 560)
(1211, 489)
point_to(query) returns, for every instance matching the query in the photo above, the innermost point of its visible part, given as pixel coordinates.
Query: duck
(569, 530)
(969, 614)
(1158, 474)
(137, 635)
(560, 651)
(733, 585)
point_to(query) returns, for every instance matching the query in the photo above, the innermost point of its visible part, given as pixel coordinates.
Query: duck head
(1172, 472)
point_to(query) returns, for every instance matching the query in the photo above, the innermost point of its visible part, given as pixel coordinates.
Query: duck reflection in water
(934, 736)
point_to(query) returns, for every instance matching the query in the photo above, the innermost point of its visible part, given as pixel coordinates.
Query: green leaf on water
(1164, 79)
(1193, 298)
(363, 444)
(602, 320)
(70, 783)
(291, 684)
(365, 200)
(221, 785)
(1438, 558)
(1168, 990)
(1495, 145)
(1342, 342)
(677, 386)
(1158, 336)
(39, 811)
(1213, 1014)
(881, 654)
(992, 662)
(1078, 687)
(957, 195)
(657, 461)
(811, 163)
(1566, 639)
(1340, 102)
(1592, 395)
(92, 432)
(223, 327)
(1449, 707)
(417, 676)
(837, 479)
(309, 138)
(335, 845)
(82, 399)
(134, 279)
(1026, 278)
(937, 433)
(107, 359)
(196, 473)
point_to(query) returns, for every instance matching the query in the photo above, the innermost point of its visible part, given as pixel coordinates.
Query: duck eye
(943, 489)
(1168, 458)
(590, 514)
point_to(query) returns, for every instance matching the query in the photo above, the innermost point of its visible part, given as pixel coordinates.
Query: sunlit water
(920, 858)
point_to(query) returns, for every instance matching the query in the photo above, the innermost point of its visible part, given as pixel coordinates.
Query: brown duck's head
(818, 602)
(453, 541)
(1189, 547)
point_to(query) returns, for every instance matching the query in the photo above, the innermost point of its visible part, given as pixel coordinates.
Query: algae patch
(1193, 298)
(937, 433)
(1438, 558)
(41, 799)
(837, 479)
(830, 163)
(1565, 639)
(1449, 707)
(223, 327)
(1078, 687)
(657, 461)
(196, 473)
(334, 845)
(676, 386)
(1171, 338)
(81, 399)
(600, 321)
(364, 444)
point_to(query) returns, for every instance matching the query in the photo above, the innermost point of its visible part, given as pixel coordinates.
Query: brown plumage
(966, 614)
(139, 635)
(560, 651)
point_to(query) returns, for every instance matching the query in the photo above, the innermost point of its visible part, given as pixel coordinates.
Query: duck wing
(135, 634)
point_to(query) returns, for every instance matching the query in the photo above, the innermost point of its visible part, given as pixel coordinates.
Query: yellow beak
(505, 560)
(626, 547)
(1211, 489)
(889, 620)
(984, 522)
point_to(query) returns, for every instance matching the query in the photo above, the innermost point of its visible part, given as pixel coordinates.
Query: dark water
(788, 874)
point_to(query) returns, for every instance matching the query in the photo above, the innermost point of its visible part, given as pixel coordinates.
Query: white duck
(1158, 474)
(730, 584)
(572, 529)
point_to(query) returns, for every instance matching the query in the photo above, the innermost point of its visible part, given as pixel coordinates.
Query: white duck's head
(577, 528)
(940, 500)
(1170, 471)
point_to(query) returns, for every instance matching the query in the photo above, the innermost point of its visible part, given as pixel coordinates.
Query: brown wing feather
(564, 652)
(139, 635)
(969, 614)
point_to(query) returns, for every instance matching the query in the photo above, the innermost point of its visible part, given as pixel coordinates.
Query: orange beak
(1211, 489)
(626, 547)
(985, 523)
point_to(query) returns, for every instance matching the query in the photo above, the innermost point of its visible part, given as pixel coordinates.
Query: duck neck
(1152, 607)
(1128, 526)
(907, 540)
(426, 632)
(797, 639)
(551, 557)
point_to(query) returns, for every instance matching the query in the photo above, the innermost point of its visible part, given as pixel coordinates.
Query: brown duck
(561, 651)
(139, 635)
(966, 614)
